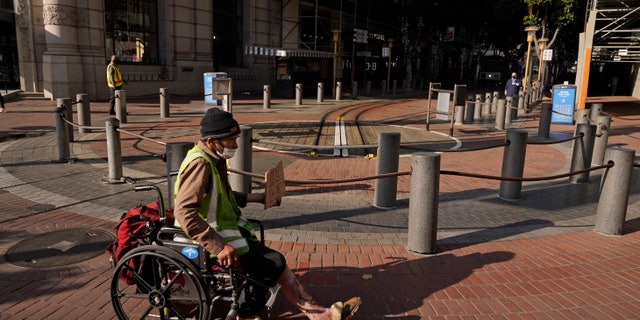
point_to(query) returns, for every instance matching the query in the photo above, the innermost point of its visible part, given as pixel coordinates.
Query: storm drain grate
(59, 248)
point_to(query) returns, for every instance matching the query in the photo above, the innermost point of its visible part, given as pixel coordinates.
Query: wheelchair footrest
(273, 293)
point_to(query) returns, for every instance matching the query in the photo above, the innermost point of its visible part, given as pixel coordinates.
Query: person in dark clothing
(512, 86)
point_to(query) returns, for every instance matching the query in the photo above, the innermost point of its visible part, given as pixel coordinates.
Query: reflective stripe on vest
(117, 76)
(225, 216)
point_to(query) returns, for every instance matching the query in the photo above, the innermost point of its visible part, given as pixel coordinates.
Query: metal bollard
(338, 90)
(500, 115)
(470, 112)
(114, 151)
(320, 97)
(84, 112)
(494, 101)
(384, 87)
(486, 108)
(582, 152)
(354, 90)
(388, 162)
(423, 202)
(544, 124)
(367, 88)
(603, 123)
(594, 111)
(509, 112)
(521, 107)
(174, 154)
(614, 197)
(243, 161)
(477, 111)
(121, 105)
(582, 116)
(513, 164)
(164, 103)
(298, 94)
(64, 151)
(458, 114)
(67, 111)
(394, 86)
(266, 97)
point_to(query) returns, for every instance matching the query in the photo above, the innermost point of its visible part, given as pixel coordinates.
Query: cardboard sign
(274, 187)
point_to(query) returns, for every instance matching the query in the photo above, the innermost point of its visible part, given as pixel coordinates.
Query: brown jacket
(195, 182)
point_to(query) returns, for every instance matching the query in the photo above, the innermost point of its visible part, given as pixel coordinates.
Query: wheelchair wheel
(153, 282)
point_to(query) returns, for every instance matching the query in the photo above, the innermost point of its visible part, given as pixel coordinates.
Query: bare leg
(296, 295)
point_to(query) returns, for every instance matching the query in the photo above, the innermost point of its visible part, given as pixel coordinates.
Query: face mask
(227, 153)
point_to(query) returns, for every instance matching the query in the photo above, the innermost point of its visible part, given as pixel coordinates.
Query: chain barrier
(562, 114)
(142, 137)
(326, 181)
(564, 175)
(580, 135)
(79, 126)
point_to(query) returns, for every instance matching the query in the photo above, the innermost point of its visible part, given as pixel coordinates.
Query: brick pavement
(534, 259)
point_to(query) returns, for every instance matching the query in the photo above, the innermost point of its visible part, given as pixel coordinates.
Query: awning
(284, 52)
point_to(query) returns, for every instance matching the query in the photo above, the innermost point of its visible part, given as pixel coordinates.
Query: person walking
(512, 86)
(114, 82)
(208, 211)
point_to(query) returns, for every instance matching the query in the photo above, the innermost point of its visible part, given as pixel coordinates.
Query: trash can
(563, 103)
(209, 77)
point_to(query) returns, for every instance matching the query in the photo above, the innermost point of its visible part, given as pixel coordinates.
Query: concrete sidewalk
(534, 258)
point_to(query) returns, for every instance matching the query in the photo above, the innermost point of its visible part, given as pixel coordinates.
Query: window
(132, 30)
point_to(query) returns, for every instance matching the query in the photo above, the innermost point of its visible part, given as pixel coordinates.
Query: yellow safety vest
(226, 219)
(117, 76)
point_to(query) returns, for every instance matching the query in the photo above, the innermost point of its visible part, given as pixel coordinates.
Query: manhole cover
(59, 248)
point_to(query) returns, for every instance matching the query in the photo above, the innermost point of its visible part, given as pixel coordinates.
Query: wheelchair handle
(160, 198)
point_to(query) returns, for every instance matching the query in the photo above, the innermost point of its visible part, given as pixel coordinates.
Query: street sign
(385, 52)
(547, 55)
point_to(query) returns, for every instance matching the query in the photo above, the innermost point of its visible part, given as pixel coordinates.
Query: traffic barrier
(320, 97)
(84, 112)
(121, 105)
(164, 103)
(614, 197)
(513, 164)
(582, 152)
(266, 97)
(386, 189)
(423, 202)
(242, 160)
(298, 94)
(602, 136)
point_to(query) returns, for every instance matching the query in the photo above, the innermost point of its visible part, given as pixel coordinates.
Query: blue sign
(190, 252)
(562, 103)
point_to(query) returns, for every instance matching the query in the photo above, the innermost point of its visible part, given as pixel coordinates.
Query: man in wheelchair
(208, 211)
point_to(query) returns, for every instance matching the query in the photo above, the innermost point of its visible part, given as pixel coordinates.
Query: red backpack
(136, 227)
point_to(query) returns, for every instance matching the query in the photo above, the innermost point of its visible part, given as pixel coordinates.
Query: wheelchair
(168, 279)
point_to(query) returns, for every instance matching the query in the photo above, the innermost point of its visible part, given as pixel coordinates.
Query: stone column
(61, 62)
(25, 34)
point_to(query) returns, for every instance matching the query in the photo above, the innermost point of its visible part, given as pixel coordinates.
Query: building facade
(61, 47)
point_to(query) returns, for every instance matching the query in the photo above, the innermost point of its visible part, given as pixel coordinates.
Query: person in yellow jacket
(114, 82)
(208, 210)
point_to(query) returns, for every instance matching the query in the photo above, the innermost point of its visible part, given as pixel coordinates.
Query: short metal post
(603, 123)
(614, 197)
(469, 112)
(500, 114)
(384, 87)
(486, 108)
(121, 105)
(164, 103)
(266, 97)
(64, 151)
(458, 114)
(508, 111)
(494, 101)
(68, 115)
(521, 107)
(243, 161)
(594, 111)
(320, 97)
(582, 152)
(298, 94)
(84, 112)
(367, 88)
(114, 151)
(513, 164)
(394, 86)
(423, 202)
(338, 91)
(582, 116)
(354, 90)
(388, 162)
(544, 124)
(477, 111)
(175, 153)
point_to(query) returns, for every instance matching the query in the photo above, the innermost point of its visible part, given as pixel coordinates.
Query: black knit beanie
(217, 124)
